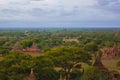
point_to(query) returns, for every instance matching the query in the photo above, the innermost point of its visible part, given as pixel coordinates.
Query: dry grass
(1, 58)
(110, 63)
(71, 40)
(34, 54)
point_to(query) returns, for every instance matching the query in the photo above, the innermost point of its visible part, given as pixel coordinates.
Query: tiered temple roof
(33, 48)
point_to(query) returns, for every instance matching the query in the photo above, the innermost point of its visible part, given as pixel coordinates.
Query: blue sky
(60, 13)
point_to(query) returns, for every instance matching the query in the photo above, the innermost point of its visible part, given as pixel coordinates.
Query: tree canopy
(15, 66)
(67, 58)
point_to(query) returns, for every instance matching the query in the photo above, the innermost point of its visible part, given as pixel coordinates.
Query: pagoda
(97, 63)
(33, 49)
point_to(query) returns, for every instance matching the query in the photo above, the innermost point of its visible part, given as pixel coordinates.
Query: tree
(93, 73)
(26, 43)
(4, 51)
(15, 66)
(118, 63)
(44, 68)
(91, 47)
(67, 58)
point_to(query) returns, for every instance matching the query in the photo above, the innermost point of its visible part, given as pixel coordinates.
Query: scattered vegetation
(62, 53)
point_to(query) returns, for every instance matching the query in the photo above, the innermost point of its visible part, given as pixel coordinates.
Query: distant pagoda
(33, 49)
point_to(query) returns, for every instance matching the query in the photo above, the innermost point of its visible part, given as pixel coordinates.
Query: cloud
(109, 5)
(59, 10)
(10, 11)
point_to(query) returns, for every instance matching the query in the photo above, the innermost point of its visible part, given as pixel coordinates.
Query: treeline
(46, 39)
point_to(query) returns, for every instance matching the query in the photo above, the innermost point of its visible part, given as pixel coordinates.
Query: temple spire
(97, 63)
(32, 76)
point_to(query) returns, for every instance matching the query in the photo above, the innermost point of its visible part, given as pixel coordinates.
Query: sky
(59, 13)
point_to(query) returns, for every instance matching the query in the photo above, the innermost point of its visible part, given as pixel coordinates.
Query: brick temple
(111, 51)
(33, 49)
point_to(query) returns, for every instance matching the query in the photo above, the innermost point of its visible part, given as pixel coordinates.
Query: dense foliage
(15, 66)
(92, 73)
(89, 39)
(118, 63)
(68, 59)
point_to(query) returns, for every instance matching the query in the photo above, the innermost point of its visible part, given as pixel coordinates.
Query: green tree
(118, 63)
(26, 43)
(15, 66)
(92, 73)
(44, 68)
(4, 51)
(67, 58)
(91, 47)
